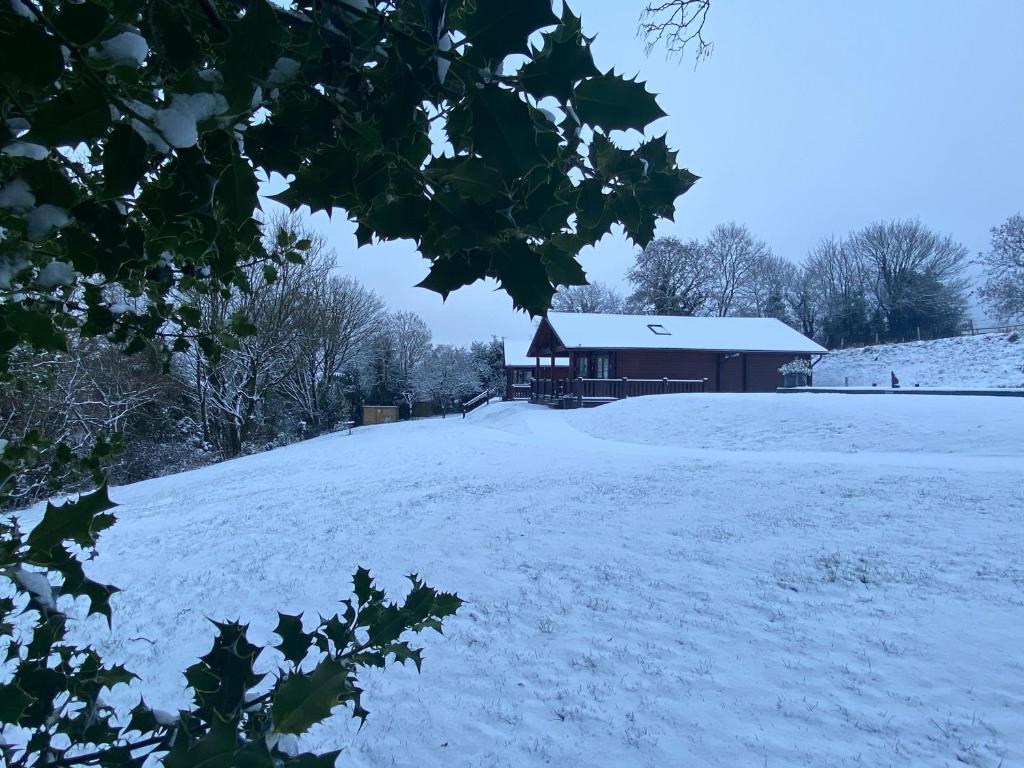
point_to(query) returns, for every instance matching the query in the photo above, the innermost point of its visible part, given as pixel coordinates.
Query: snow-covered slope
(987, 360)
(634, 597)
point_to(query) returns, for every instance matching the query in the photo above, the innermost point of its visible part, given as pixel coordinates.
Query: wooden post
(664, 385)
(625, 387)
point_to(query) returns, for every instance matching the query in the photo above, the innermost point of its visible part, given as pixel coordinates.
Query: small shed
(379, 414)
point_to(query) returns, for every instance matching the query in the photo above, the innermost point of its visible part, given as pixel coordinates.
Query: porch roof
(584, 331)
(516, 357)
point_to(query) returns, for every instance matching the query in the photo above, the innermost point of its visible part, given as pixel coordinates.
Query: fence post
(664, 385)
(578, 385)
(625, 387)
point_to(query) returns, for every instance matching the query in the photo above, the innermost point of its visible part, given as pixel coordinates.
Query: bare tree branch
(678, 25)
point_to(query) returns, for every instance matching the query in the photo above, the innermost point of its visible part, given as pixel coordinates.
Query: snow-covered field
(988, 360)
(720, 580)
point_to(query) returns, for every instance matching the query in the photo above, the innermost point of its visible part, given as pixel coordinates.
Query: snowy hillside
(779, 580)
(988, 360)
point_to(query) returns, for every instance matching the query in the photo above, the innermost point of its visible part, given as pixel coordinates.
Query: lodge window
(659, 330)
(602, 366)
(521, 376)
(583, 367)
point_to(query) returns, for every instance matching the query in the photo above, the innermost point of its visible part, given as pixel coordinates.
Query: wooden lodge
(609, 357)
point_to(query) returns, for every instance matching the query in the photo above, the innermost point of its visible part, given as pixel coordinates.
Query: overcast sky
(811, 118)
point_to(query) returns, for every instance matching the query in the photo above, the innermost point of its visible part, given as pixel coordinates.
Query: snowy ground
(721, 580)
(989, 360)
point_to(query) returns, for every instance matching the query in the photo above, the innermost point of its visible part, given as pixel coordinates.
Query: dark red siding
(730, 372)
(664, 363)
(723, 372)
(763, 371)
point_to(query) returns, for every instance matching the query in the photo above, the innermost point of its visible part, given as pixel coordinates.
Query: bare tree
(71, 397)
(400, 344)
(670, 277)
(595, 297)
(732, 253)
(678, 24)
(767, 291)
(229, 388)
(838, 282)
(445, 375)
(1003, 289)
(338, 317)
(915, 276)
(805, 305)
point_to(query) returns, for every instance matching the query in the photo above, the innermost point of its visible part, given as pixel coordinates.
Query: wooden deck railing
(520, 392)
(475, 402)
(591, 391)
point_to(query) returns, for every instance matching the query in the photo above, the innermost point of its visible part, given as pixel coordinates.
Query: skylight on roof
(659, 330)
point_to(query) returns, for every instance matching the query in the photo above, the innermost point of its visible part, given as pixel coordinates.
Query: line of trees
(889, 280)
(307, 348)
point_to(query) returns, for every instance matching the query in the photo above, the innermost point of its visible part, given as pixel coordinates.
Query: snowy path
(635, 598)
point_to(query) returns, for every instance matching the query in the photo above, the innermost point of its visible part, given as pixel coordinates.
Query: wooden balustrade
(595, 391)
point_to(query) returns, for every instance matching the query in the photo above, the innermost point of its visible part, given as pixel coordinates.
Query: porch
(583, 393)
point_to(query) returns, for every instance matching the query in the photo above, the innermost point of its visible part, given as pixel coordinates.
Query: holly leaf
(124, 160)
(503, 133)
(615, 103)
(73, 116)
(80, 521)
(295, 642)
(563, 61)
(81, 23)
(13, 702)
(28, 55)
(362, 585)
(638, 221)
(236, 192)
(302, 700)
(472, 177)
(563, 269)
(519, 270)
(497, 28)
(217, 748)
(452, 272)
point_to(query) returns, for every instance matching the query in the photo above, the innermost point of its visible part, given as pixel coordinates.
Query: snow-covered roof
(515, 355)
(578, 330)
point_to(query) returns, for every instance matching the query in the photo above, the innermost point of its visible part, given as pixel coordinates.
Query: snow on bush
(16, 195)
(55, 273)
(796, 366)
(124, 48)
(43, 219)
(26, 149)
